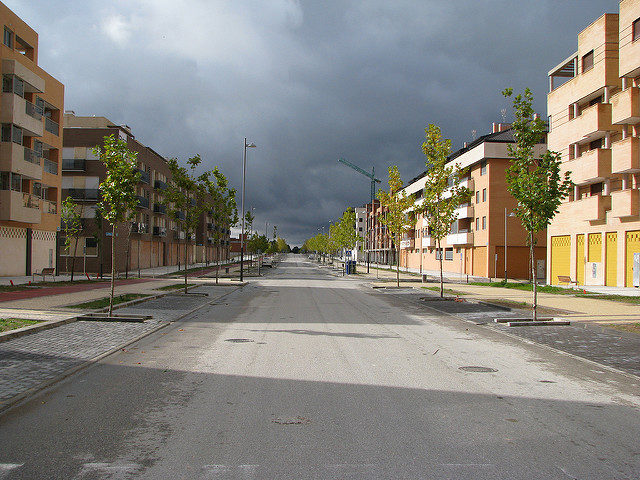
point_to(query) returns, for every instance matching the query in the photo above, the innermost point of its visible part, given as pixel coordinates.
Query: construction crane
(373, 178)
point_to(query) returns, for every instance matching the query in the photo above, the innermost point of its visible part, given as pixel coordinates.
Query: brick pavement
(32, 361)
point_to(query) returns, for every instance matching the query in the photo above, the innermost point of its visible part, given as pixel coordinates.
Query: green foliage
(184, 194)
(257, 243)
(346, 235)
(534, 182)
(118, 199)
(282, 246)
(396, 203)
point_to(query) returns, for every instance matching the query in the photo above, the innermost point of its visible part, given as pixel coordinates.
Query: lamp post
(505, 240)
(244, 171)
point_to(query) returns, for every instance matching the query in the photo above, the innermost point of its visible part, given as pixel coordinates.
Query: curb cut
(13, 401)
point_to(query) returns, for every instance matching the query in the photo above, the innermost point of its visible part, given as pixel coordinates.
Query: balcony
(428, 242)
(464, 211)
(19, 207)
(33, 110)
(625, 155)
(159, 208)
(50, 208)
(407, 243)
(51, 126)
(18, 159)
(625, 106)
(593, 123)
(466, 183)
(625, 203)
(144, 176)
(589, 209)
(33, 83)
(50, 167)
(74, 165)
(159, 185)
(143, 202)
(460, 238)
(84, 194)
(139, 227)
(160, 231)
(14, 110)
(592, 166)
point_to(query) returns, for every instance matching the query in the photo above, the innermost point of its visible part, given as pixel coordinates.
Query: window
(16, 182)
(438, 254)
(91, 246)
(484, 223)
(595, 144)
(478, 196)
(4, 180)
(360, 229)
(8, 37)
(636, 29)
(484, 194)
(448, 254)
(477, 223)
(596, 100)
(595, 188)
(483, 167)
(587, 62)
(37, 189)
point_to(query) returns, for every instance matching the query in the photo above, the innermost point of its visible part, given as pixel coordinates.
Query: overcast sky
(307, 81)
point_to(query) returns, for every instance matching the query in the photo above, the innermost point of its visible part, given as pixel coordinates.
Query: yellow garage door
(633, 246)
(560, 257)
(611, 259)
(595, 247)
(580, 259)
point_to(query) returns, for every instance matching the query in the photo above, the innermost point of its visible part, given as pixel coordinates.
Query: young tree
(347, 234)
(535, 183)
(184, 200)
(442, 193)
(396, 220)
(70, 215)
(117, 191)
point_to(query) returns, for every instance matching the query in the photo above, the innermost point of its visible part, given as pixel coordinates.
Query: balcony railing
(625, 106)
(460, 238)
(428, 242)
(50, 167)
(407, 243)
(625, 203)
(31, 156)
(51, 126)
(89, 194)
(49, 207)
(33, 110)
(74, 164)
(160, 231)
(159, 208)
(30, 201)
(160, 185)
(144, 176)
(592, 166)
(143, 202)
(625, 155)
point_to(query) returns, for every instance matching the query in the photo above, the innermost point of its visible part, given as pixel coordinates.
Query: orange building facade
(594, 108)
(30, 152)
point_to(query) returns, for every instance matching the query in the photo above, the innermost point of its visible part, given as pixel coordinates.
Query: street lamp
(505, 241)
(244, 171)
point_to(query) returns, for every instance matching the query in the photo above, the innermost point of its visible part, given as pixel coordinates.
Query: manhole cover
(238, 340)
(477, 369)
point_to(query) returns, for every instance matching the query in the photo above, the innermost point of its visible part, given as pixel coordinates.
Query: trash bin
(347, 267)
(351, 267)
(226, 270)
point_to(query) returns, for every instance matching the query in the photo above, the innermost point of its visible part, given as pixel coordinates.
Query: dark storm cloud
(308, 82)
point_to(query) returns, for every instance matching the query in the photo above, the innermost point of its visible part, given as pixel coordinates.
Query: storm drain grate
(238, 340)
(477, 369)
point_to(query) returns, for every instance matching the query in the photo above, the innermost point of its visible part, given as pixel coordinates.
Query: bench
(566, 279)
(44, 272)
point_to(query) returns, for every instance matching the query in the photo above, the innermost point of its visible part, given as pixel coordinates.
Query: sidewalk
(579, 309)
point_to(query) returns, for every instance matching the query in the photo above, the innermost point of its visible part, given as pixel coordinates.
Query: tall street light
(244, 171)
(505, 241)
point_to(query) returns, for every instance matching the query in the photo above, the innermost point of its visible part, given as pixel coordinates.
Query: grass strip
(7, 324)
(625, 327)
(446, 290)
(528, 287)
(175, 286)
(104, 302)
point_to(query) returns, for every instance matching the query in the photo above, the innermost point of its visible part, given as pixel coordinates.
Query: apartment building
(359, 252)
(30, 151)
(478, 242)
(380, 244)
(594, 110)
(154, 239)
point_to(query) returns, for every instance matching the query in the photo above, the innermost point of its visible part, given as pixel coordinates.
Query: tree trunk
(113, 267)
(126, 265)
(217, 263)
(73, 259)
(186, 259)
(533, 278)
(398, 266)
(441, 276)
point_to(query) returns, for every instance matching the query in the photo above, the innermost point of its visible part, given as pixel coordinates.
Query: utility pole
(374, 180)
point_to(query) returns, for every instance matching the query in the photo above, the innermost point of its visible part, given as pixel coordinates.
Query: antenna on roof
(474, 133)
(503, 112)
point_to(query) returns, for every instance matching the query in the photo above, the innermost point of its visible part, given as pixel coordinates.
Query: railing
(144, 176)
(33, 110)
(51, 126)
(49, 207)
(50, 167)
(31, 156)
(160, 231)
(160, 185)
(83, 193)
(159, 208)
(74, 164)
(143, 202)
(30, 201)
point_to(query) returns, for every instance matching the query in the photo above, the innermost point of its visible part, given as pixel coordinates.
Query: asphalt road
(303, 375)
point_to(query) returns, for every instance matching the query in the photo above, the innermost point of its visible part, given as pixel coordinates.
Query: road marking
(214, 472)
(109, 470)
(6, 468)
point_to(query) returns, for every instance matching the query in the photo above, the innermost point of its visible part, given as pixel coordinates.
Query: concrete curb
(13, 401)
